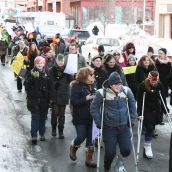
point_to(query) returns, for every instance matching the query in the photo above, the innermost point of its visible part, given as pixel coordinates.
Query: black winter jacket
(81, 106)
(39, 91)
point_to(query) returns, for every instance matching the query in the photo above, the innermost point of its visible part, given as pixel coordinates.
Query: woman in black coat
(153, 107)
(82, 94)
(100, 74)
(39, 89)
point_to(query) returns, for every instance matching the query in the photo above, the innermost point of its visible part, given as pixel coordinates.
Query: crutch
(100, 137)
(132, 140)
(140, 126)
(167, 114)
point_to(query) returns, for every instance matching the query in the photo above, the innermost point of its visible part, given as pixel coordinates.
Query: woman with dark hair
(82, 94)
(33, 52)
(110, 66)
(145, 65)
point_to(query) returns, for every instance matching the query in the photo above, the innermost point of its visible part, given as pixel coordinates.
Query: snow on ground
(14, 156)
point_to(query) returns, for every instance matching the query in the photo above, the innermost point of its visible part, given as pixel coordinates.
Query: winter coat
(153, 107)
(3, 47)
(100, 76)
(142, 73)
(164, 74)
(81, 106)
(61, 82)
(59, 48)
(115, 108)
(116, 68)
(39, 91)
(95, 30)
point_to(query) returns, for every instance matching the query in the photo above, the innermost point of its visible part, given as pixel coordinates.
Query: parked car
(90, 48)
(82, 34)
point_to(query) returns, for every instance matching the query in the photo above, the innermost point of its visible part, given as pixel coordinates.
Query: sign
(129, 70)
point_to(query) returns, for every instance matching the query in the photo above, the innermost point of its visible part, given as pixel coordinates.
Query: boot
(147, 151)
(73, 150)
(119, 165)
(89, 155)
(61, 135)
(54, 131)
(106, 170)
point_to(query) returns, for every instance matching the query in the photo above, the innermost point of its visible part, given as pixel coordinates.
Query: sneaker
(42, 138)
(34, 141)
(119, 165)
(54, 134)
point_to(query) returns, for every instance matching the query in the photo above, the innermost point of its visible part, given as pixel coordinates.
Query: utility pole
(144, 13)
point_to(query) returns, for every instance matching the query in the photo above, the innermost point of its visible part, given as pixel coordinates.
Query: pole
(144, 13)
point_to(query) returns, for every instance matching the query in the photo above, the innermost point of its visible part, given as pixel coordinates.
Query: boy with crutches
(115, 120)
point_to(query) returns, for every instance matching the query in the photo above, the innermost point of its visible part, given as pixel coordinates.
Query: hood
(127, 48)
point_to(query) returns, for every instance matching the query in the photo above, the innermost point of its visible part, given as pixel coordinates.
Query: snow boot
(34, 141)
(73, 150)
(88, 157)
(119, 165)
(147, 151)
(54, 132)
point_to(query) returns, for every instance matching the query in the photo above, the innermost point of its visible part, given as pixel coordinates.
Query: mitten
(35, 74)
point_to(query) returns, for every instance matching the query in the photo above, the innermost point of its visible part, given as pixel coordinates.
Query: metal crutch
(132, 141)
(100, 137)
(140, 126)
(167, 114)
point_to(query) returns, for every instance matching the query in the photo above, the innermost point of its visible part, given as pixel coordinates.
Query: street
(53, 153)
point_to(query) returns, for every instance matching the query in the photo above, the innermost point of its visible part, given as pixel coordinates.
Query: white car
(90, 48)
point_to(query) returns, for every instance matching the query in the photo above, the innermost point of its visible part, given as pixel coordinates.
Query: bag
(22, 73)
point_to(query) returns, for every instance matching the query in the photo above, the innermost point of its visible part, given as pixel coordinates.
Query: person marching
(61, 82)
(153, 107)
(118, 99)
(39, 90)
(82, 94)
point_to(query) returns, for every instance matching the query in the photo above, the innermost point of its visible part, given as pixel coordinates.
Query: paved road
(54, 152)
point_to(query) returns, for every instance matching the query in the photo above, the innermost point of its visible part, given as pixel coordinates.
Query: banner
(17, 63)
(129, 70)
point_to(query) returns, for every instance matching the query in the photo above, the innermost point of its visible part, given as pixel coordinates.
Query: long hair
(30, 51)
(82, 75)
(140, 63)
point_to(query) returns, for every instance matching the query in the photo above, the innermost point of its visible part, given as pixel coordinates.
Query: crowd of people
(48, 86)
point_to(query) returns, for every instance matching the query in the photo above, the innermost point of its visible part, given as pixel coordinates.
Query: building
(163, 18)
(104, 11)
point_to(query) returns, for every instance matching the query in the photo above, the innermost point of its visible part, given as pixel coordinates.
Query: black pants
(3, 59)
(19, 83)
(58, 111)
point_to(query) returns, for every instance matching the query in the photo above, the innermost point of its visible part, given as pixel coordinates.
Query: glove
(35, 74)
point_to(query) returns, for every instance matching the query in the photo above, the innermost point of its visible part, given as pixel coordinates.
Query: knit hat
(60, 57)
(39, 59)
(96, 57)
(163, 50)
(46, 49)
(153, 76)
(131, 57)
(114, 78)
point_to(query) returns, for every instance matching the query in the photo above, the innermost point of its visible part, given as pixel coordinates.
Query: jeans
(83, 132)
(58, 111)
(38, 123)
(112, 136)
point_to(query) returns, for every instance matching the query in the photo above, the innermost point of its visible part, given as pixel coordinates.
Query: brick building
(105, 11)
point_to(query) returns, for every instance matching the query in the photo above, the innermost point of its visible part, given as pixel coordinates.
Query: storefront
(164, 18)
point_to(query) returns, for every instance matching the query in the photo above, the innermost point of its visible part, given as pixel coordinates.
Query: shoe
(89, 157)
(73, 150)
(147, 151)
(162, 123)
(19, 91)
(34, 141)
(42, 138)
(61, 136)
(154, 134)
(3, 64)
(54, 134)
(119, 165)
